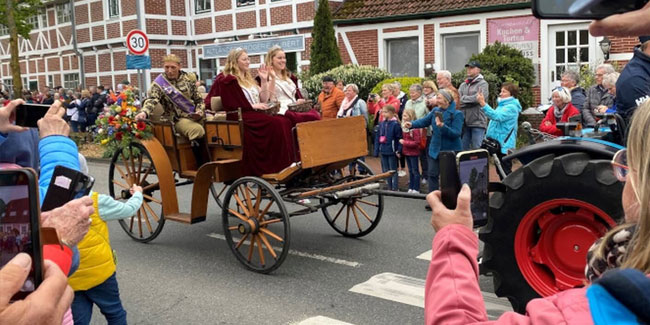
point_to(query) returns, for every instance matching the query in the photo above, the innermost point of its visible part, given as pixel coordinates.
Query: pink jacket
(411, 145)
(452, 294)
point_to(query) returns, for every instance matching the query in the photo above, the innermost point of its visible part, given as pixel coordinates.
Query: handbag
(492, 145)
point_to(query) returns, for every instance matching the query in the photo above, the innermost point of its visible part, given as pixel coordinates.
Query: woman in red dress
(268, 141)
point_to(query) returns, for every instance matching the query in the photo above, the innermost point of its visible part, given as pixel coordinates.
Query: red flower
(141, 125)
(138, 135)
(118, 136)
(123, 112)
(111, 119)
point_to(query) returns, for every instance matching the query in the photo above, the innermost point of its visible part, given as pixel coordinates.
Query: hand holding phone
(442, 216)
(8, 117)
(66, 184)
(27, 115)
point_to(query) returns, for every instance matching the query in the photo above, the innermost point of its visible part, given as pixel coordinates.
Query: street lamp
(606, 46)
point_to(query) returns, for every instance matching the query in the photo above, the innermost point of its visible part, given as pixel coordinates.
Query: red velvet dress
(268, 140)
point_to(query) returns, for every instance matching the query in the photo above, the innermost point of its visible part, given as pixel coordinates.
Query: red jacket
(411, 145)
(375, 108)
(550, 116)
(452, 294)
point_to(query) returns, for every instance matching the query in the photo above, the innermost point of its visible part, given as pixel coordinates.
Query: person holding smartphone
(447, 124)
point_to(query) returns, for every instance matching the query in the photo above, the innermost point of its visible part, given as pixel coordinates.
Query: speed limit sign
(137, 42)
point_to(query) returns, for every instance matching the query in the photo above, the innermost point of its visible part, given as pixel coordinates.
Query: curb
(98, 160)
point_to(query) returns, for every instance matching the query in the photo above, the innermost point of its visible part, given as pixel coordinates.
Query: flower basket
(274, 108)
(305, 106)
(117, 124)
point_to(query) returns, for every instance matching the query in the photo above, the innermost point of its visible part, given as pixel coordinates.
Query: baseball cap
(473, 64)
(644, 39)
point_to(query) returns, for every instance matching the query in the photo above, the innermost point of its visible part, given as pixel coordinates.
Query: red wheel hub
(552, 241)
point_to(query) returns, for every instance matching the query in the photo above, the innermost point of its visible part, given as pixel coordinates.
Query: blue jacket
(393, 132)
(633, 86)
(578, 97)
(20, 148)
(503, 120)
(446, 138)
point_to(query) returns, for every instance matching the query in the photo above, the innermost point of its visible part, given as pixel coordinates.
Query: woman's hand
(408, 125)
(263, 72)
(261, 106)
(401, 141)
(300, 101)
(442, 217)
(480, 99)
(8, 117)
(601, 109)
(548, 123)
(135, 188)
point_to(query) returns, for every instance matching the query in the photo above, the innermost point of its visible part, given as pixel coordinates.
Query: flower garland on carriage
(117, 126)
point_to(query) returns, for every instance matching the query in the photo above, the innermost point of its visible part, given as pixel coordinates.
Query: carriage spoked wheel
(358, 215)
(256, 224)
(218, 194)
(133, 165)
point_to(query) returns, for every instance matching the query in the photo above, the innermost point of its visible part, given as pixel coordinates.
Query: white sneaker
(424, 182)
(401, 173)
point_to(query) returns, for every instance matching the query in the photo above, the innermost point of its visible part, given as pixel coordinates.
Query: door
(569, 47)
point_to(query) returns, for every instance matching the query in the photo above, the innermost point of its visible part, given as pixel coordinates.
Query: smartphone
(66, 185)
(439, 115)
(583, 9)
(27, 115)
(473, 170)
(449, 180)
(19, 223)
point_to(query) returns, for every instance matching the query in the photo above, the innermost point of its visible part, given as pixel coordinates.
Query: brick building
(403, 36)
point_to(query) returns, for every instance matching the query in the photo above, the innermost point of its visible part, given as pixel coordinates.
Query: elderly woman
(609, 82)
(352, 104)
(429, 91)
(418, 103)
(560, 112)
(598, 98)
(375, 105)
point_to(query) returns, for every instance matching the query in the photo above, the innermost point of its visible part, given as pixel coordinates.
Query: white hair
(444, 73)
(606, 67)
(354, 88)
(564, 93)
(609, 80)
(416, 87)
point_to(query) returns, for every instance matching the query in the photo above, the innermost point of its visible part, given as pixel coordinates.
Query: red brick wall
(623, 44)
(66, 63)
(281, 15)
(83, 35)
(23, 67)
(128, 8)
(128, 26)
(96, 11)
(365, 46)
(429, 44)
(119, 61)
(222, 5)
(202, 26)
(81, 14)
(66, 32)
(32, 66)
(98, 33)
(345, 56)
(460, 23)
(54, 41)
(537, 96)
(106, 81)
(179, 27)
(246, 20)
(177, 8)
(113, 30)
(157, 26)
(305, 11)
(41, 65)
(119, 78)
(53, 64)
(91, 81)
(41, 81)
(104, 61)
(400, 29)
(74, 62)
(51, 19)
(307, 52)
(156, 7)
(262, 18)
(182, 54)
(156, 57)
(223, 23)
(90, 62)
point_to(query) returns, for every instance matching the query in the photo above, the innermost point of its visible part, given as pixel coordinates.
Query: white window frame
(244, 3)
(67, 80)
(109, 12)
(4, 30)
(63, 13)
(34, 20)
(206, 7)
(387, 51)
(50, 81)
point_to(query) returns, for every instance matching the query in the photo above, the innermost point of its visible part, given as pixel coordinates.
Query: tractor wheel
(540, 228)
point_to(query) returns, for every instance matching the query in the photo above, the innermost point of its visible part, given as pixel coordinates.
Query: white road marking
(322, 320)
(408, 290)
(426, 255)
(302, 254)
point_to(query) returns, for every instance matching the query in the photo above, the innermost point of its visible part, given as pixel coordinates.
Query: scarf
(559, 112)
(614, 251)
(345, 105)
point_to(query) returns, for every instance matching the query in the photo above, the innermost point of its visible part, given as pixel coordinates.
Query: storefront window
(402, 56)
(458, 48)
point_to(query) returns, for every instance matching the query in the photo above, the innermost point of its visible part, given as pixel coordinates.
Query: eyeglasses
(619, 164)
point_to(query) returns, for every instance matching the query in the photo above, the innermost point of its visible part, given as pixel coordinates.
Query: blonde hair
(390, 86)
(638, 144)
(410, 113)
(244, 79)
(430, 84)
(85, 93)
(273, 51)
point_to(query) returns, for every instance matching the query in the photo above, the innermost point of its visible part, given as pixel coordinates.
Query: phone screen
(473, 170)
(27, 115)
(19, 223)
(583, 9)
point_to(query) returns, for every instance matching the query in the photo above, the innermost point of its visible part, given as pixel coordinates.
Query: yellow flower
(105, 141)
(118, 109)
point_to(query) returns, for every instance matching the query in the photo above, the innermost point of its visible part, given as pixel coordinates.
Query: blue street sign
(138, 62)
(294, 43)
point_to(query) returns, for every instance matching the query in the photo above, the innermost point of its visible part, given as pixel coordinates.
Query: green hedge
(406, 82)
(364, 76)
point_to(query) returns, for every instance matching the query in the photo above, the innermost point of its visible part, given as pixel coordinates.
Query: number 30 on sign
(137, 42)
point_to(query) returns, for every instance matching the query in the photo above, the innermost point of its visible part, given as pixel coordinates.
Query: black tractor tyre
(571, 176)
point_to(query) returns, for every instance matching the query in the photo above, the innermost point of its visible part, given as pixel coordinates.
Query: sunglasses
(619, 164)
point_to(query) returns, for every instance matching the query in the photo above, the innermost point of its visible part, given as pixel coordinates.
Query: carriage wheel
(358, 215)
(218, 195)
(134, 165)
(256, 224)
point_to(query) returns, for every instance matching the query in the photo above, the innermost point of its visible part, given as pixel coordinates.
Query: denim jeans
(389, 162)
(106, 296)
(472, 138)
(424, 159)
(434, 171)
(414, 172)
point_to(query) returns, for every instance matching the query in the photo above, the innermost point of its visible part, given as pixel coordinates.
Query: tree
(14, 14)
(325, 53)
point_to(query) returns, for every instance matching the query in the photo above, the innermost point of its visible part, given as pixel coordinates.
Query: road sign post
(138, 43)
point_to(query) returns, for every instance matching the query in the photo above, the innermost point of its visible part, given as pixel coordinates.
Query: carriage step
(282, 175)
(184, 218)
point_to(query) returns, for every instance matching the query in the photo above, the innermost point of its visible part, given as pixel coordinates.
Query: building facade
(403, 36)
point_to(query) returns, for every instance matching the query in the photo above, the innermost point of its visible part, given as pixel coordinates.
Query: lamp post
(606, 47)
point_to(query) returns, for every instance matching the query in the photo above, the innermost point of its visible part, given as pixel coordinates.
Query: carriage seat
(217, 107)
(158, 117)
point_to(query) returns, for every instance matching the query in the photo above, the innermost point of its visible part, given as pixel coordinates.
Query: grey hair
(608, 68)
(398, 84)
(610, 79)
(573, 75)
(564, 94)
(416, 87)
(444, 73)
(354, 88)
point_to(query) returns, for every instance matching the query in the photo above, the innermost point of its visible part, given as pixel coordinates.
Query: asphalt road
(188, 275)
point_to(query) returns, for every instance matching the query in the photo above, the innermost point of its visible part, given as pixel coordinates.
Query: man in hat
(633, 86)
(175, 90)
(475, 119)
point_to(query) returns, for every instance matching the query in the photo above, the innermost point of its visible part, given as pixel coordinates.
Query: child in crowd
(387, 143)
(94, 282)
(411, 150)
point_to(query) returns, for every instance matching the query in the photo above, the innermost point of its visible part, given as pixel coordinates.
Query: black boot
(201, 154)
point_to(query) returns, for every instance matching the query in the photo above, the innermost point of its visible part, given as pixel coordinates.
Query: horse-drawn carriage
(255, 211)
